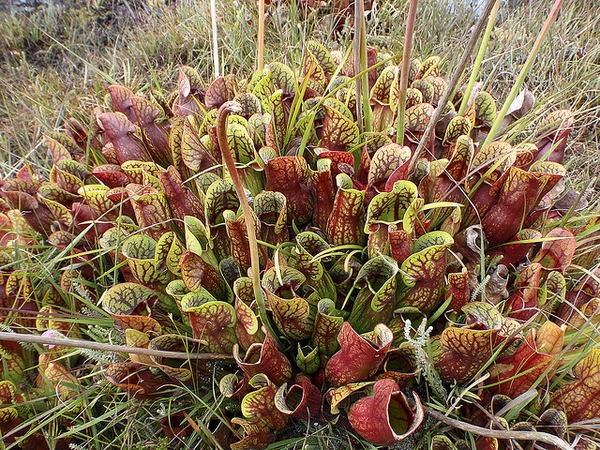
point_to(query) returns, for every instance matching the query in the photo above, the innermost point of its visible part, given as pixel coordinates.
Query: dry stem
(500, 434)
(78, 343)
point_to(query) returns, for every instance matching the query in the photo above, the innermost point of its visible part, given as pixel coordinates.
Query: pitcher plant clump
(252, 220)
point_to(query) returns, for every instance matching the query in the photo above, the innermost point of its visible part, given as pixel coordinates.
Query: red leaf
(154, 132)
(346, 222)
(322, 189)
(360, 356)
(302, 401)
(181, 200)
(386, 417)
(111, 175)
(523, 303)
(557, 252)
(519, 194)
(120, 131)
(121, 100)
(135, 379)
(265, 358)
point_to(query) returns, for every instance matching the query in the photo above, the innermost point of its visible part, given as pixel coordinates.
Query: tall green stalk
(363, 108)
(478, 60)
(524, 71)
(406, 52)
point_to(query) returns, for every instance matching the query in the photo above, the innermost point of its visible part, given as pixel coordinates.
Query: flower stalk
(224, 111)
(406, 52)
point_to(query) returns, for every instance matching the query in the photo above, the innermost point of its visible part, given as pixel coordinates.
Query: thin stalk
(478, 60)
(456, 76)
(261, 34)
(215, 42)
(524, 71)
(363, 109)
(406, 52)
(79, 343)
(224, 111)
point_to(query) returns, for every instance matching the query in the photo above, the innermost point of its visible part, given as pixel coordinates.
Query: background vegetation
(58, 60)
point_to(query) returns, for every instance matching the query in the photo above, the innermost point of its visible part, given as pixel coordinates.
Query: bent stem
(224, 111)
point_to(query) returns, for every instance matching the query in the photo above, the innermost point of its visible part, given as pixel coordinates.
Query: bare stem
(500, 434)
(261, 34)
(79, 343)
(406, 52)
(453, 82)
(215, 42)
(224, 111)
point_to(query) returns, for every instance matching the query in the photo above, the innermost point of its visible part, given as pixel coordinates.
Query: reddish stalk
(406, 52)
(224, 111)
(261, 34)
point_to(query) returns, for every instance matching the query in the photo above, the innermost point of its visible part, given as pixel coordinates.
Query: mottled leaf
(423, 272)
(346, 222)
(376, 300)
(196, 273)
(211, 321)
(131, 305)
(580, 399)
(417, 119)
(289, 175)
(339, 132)
(322, 55)
(457, 127)
(485, 109)
(152, 213)
(495, 158)
(221, 90)
(328, 324)
(140, 251)
(385, 160)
